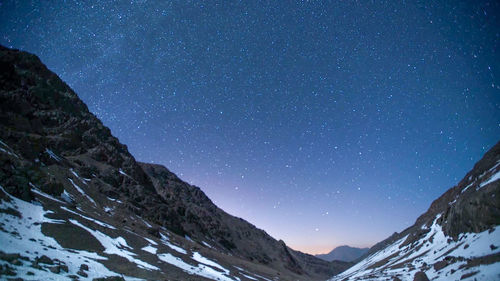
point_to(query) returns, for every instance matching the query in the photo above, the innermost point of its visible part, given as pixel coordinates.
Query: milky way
(323, 124)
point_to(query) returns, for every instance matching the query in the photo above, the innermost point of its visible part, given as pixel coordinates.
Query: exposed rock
(9, 257)
(420, 276)
(110, 278)
(7, 270)
(55, 269)
(10, 211)
(36, 265)
(64, 268)
(17, 262)
(44, 259)
(440, 265)
(82, 273)
(467, 275)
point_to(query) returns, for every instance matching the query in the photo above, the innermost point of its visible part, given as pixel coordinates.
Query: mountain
(343, 253)
(458, 238)
(75, 204)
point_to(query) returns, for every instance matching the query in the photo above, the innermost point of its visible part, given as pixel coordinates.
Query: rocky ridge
(458, 238)
(71, 192)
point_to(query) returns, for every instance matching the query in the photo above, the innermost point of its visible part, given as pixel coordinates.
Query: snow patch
(79, 189)
(250, 277)
(150, 249)
(114, 200)
(493, 178)
(24, 236)
(123, 173)
(166, 242)
(8, 150)
(145, 222)
(201, 259)
(83, 180)
(150, 241)
(67, 197)
(53, 155)
(174, 247)
(88, 218)
(200, 270)
(115, 246)
(206, 244)
(467, 187)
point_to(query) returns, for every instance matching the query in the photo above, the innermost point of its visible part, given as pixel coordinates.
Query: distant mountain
(75, 204)
(344, 253)
(458, 238)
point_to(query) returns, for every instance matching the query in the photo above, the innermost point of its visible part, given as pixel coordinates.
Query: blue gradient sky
(322, 123)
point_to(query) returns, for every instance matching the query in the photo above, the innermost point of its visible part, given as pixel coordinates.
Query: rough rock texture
(420, 276)
(477, 211)
(50, 141)
(39, 112)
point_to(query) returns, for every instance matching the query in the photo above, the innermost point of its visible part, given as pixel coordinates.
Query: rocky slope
(75, 204)
(458, 238)
(343, 253)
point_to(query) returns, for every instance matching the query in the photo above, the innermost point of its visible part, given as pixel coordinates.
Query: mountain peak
(343, 253)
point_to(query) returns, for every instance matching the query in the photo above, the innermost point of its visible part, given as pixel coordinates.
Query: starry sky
(323, 123)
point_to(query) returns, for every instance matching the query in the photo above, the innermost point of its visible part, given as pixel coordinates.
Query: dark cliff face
(40, 113)
(477, 205)
(50, 139)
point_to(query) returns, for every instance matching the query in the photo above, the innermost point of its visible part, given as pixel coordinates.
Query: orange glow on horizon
(321, 248)
(313, 249)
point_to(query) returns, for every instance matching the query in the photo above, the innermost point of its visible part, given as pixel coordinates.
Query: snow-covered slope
(33, 246)
(22, 236)
(458, 238)
(437, 255)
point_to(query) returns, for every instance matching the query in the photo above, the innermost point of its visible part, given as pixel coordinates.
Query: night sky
(323, 124)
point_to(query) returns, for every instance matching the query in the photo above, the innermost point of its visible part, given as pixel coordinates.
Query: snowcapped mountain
(343, 253)
(76, 205)
(458, 238)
